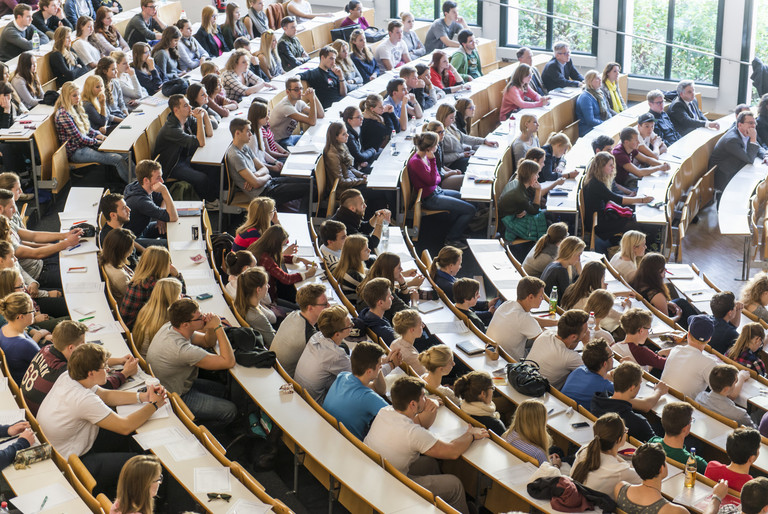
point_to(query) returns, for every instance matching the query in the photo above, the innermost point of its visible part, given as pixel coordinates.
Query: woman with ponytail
(444, 268)
(597, 464)
(545, 250)
(747, 347)
(476, 392)
(438, 361)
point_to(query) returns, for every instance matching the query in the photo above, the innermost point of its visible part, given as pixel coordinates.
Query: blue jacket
(72, 14)
(149, 81)
(145, 207)
(587, 112)
(380, 326)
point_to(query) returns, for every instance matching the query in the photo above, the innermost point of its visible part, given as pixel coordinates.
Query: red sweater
(515, 99)
(277, 273)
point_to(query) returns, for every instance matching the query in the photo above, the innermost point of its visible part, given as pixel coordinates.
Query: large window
(692, 23)
(537, 30)
(433, 9)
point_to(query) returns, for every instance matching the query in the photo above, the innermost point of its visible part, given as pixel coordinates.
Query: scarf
(616, 103)
(480, 409)
(110, 34)
(598, 95)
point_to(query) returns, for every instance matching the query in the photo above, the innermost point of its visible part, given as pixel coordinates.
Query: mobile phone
(204, 296)
(582, 424)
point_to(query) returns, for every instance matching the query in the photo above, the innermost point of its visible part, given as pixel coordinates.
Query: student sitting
(415, 46)
(115, 103)
(94, 104)
(25, 81)
(443, 75)
(632, 249)
(49, 17)
(444, 268)
(379, 122)
(545, 249)
(233, 27)
(676, 419)
(19, 348)
(352, 399)
(722, 380)
(150, 203)
(650, 464)
(268, 58)
(166, 54)
(632, 165)
(518, 94)
(252, 287)
(591, 106)
(208, 34)
(155, 264)
(746, 349)
(339, 163)
(298, 106)
(377, 295)
(554, 351)
(18, 37)
(597, 464)
(198, 97)
(743, 448)
(438, 361)
(261, 215)
(256, 22)
(299, 326)
(591, 377)
(476, 392)
(528, 432)
(627, 381)
(77, 407)
(601, 302)
(191, 53)
(106, 37)
(116, 250)
(351, 211)
(409, 327)
(393, 51)
(154, 314)
(726, 313)
(362, 56)
(144, 67)
(466, 292)
(181, 348)
(521, 205)
(235, 263)
(323, 358)
(387, 265)
(466, 60)
(82, 47)
(138, 484)
(146, 26)
(332, 234)
(649, 282)
(289, 48)
(327, 79)
(351, 270)
(220, 104)
(566, 267)
(65, 65)
(352, 76)
(636, 324)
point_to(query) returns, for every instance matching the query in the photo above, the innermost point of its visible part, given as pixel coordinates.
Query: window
(541, 31)
(430, 10)
(693, 23)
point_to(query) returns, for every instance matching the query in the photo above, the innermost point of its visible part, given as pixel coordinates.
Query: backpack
(222, 244)
(525, 378)
(249, 349)
(182, 191)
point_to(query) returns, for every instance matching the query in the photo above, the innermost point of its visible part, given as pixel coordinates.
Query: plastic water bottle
(690, 469)
(591, 324)
(35, 41)
(384, 235)
(392, 145)
(4, 508)
(553, 301)
(183, 15)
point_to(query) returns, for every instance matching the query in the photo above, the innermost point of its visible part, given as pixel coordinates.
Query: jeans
(284, 189)
(206, 185)
(289, 141)
(50, 276)
(461, 212)
(88, 154)
(206, 401)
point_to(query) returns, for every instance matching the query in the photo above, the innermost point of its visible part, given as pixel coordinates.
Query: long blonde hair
(154, 314)
(265, 48)
(76, 111)
(134, 484)
(89, 96)
(608, 430)
(208, 20)
(748, 332)
(155, 263)
(365, 54)
(58, 44)
(570, 246)
(260, 212)
(350, 259)
(346, 65)
(530, 423)
(629, 240)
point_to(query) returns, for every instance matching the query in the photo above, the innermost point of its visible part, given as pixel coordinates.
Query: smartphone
(204, 296)
(582, 424)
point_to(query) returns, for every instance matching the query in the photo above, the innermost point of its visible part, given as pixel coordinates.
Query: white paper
(84, 246)
(158, 438)
(82, 311)
(448, 327)
(84, 287)
(242, 506)
(127, 410)
(212, 480)
(187, 245)
(198, 273)
(305, 148)
(186, 450)
(518, 474)
(9, 417)
(31, 502)
(429, 306)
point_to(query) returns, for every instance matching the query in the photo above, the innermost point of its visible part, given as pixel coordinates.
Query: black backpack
(222, 244)
(525, 378)
(249, 349)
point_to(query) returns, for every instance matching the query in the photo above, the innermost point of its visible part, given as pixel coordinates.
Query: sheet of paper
(242, 506)
(186, 450)
(429, 306)
(84, 287)
(9, 417)
(158, 438)
(515, 474)
(212, 480)
(187, 245)
(448, 327)
(162, 412)
(32, 502)
(84, 246)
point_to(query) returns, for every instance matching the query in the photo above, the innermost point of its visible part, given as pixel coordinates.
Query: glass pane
(531, 28)
(649, 20)
(423, 9)
(468, 10)
(696, 26)
(761, 37)
(578, 36)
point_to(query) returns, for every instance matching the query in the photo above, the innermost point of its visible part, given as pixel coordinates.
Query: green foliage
(761, 37)
(425, 10)
(532, 28)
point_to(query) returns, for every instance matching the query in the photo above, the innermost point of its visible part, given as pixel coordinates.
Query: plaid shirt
(136, 295)
(234, 86)
(68, 133)
(749, 359)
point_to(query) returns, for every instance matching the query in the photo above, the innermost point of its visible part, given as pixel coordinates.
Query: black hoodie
(638, 426)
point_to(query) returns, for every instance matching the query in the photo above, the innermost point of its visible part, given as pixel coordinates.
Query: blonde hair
(525, 119)
(754, 289)
(346, 65)
(629, 240)
(155, 263)
(589, 77)
(596, 167)
(259, 215)
(405, 320)
(365, 54)
(748, 332)
(570, 246)
(530, 423)
(154, 314)
(58, 44)
(208, 20)
(235, 56)
(436, 357)
(558, 138)
(600, 302)
(15, 305)
(8, 279)
(350, 256)
(265, 48)
(89, 96)
(76, 111)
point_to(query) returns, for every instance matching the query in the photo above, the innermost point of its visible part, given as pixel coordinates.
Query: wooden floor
(716, 255)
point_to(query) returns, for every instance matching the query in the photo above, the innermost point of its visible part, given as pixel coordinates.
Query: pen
(45, 500)
(139, 113)
(75, 268)
(86, 319)
(76, 246)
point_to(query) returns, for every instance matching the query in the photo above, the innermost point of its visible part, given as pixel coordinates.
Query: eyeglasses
(30, 312)
(159, 479)
(107, 369)
(196, 319)
(219, 496)
(326, 304)
(348, 327)
(19, 287)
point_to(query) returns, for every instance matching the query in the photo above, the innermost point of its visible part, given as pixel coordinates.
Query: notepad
(185, 450)
(31, 502)
(212, 480)
(242, 506)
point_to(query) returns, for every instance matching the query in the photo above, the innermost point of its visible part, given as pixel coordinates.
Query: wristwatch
(154, 404)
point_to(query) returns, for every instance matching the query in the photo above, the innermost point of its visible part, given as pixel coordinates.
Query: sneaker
(459, 243)
(212, 206)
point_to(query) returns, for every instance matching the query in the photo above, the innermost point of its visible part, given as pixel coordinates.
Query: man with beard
(352, 211)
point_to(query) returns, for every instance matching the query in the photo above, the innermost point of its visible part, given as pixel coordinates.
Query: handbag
(525, 378)
(620, 211)
(374, 35)
(175, 87)
(248, 347)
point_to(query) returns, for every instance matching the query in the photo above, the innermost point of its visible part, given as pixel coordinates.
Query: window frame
(670, 39)
(438, 12)
(504, 29)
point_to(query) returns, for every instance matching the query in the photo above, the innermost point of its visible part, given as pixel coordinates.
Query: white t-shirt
(612, 470)
(283, 126)
(511, 327)
(392, 53)
(626, 269)
(69, 413)
(687, 370)
(555, 360)
(398, 439)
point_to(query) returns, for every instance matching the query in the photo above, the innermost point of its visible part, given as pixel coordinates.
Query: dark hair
(404, 391)
(675, 416)
(86, 357)
(465, 289)
(601, 142)
(448, 5)
(754, 495)
(742, 444)
(722, 376)
(464, 35)
(722, 303)
(109, 202)
(330, 230)
(571, 323)
(327, 50)
(535, 154)
(352, 5)
(238, 125)
(170, 33)
(376, 290)
(174, 101)
(595, 354)
(210, 82)
(591, 279)
(627, 133)
(181, 23)
(608, 430)
(626, 375)
(635, 319)
(472, 385)
(20, 9)
(649, 274)
(394, 84)
(365, 356)
(101, 71)
(743, 114)
(425, 141)
(648, 460)
(181, 311)
(236, 261)
(529, 286)
(285, 21)
(242, 42)
(145, 169)
(193, 91)
(117, 244)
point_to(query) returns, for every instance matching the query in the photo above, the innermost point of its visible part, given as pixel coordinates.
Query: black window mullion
(670, 39)
(550, 24)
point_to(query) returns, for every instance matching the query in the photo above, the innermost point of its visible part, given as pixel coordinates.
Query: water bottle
(392, 145)
(591, 324)
(35, 41)
(553, 301)
(183, 15)
(4, 508)
(384, 235)
(690, 469)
